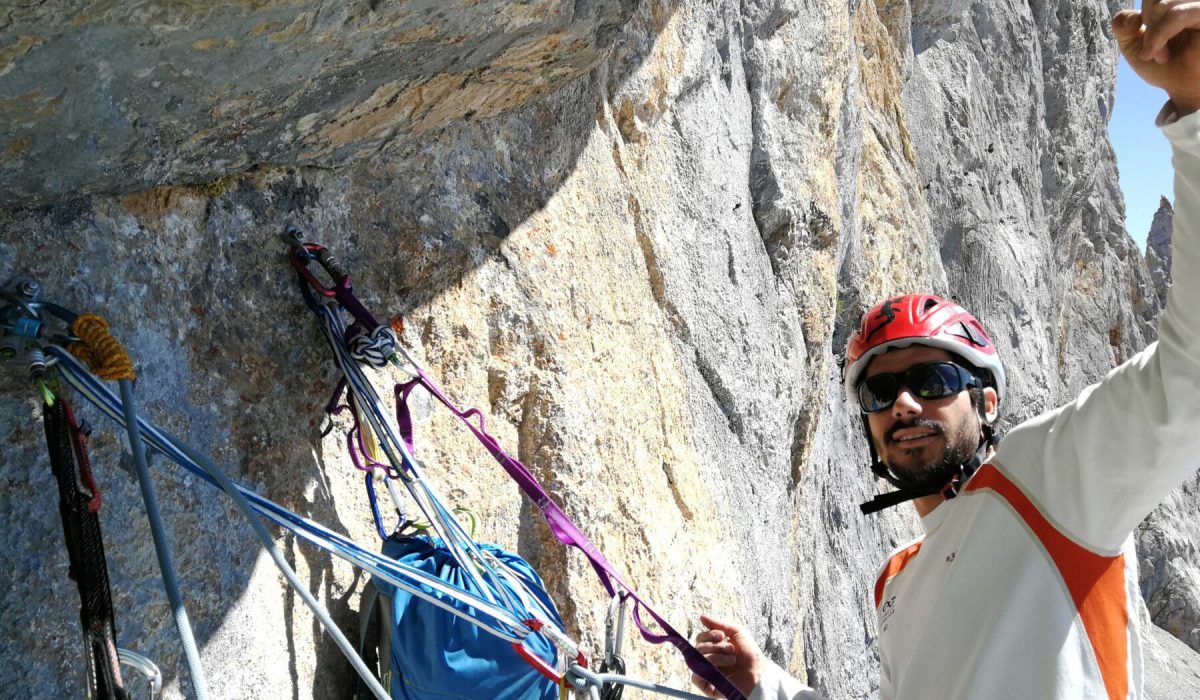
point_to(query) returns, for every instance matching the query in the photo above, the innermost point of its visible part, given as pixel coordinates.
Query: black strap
(893, 498)
(950, 489)
(85, 550)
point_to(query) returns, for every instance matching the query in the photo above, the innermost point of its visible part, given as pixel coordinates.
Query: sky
(1143, 157)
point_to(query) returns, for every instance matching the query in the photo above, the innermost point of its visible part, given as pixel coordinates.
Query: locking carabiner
(302, 255)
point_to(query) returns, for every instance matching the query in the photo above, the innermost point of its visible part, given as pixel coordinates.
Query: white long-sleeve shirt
(1025, 585)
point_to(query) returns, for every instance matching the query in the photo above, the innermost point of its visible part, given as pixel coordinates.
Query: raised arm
(1099, 465)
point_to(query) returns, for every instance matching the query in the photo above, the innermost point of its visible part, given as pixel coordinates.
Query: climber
(1024, 584)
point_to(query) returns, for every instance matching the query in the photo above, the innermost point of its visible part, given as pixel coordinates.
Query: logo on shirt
(886, 611)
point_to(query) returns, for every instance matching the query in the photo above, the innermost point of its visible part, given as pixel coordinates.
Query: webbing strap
(78, 503)
(564, 529)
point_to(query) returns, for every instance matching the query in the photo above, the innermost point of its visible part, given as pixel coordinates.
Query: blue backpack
(431, 654)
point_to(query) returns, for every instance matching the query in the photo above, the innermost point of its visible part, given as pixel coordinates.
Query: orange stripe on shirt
(895, 564)
(1096, 582)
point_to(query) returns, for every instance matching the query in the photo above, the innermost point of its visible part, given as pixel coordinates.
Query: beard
(918, 471)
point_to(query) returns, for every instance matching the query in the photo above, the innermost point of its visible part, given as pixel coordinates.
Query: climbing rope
(430, 588)
(96, 346)
(375, 348)
(581, 679)
(474, 609)
(479, 573)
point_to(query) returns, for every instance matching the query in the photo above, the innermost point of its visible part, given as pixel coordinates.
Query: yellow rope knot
(103, 353)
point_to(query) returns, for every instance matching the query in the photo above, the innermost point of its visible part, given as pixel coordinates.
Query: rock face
(111, 97)
(1170, 576)
(636, 235)
(1171, 670)
(1158, 249)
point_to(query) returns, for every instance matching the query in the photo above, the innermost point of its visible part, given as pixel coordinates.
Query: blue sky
(1143, 156)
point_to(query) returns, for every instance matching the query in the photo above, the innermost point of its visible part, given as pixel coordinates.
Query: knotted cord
(100, 350)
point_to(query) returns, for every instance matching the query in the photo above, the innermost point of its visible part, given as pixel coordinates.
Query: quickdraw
(26, 321)
(79, 505)
(614, 635)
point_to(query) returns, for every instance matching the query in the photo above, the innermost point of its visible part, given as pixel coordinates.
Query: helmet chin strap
(950, 489)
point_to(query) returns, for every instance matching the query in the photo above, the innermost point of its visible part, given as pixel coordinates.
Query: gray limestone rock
(114, 97)
(1158, 249)
(1172, 670)
(1170, 575)
(635, 234)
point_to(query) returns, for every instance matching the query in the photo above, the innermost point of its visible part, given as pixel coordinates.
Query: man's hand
(733, 651)
(1162, 44)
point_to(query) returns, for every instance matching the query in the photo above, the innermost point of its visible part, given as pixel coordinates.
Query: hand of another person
(1162, 45)
(733, 651)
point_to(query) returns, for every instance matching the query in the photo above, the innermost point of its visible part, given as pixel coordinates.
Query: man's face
(923, 441)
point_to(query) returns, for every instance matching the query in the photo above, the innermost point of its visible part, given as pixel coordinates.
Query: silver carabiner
(144, 666)
(614, 625)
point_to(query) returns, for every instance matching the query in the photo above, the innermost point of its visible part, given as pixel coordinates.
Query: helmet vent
(964, 330)
(929, 304)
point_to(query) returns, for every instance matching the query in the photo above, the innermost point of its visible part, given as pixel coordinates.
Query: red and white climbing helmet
(920, 319)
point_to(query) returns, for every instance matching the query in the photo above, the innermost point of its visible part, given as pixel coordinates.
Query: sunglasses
(931, 380)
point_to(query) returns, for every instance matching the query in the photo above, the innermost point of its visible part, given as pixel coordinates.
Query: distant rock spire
(1158, 248)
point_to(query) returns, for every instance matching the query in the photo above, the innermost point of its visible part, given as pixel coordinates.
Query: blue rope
(503, 623)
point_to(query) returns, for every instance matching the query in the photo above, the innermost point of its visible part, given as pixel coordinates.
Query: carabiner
(614, 624)
(302, 255)
(566, 649)
(538, 663)
(25, 315)
(147, 668)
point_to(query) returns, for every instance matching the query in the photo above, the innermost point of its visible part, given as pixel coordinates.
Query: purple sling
(565, 530)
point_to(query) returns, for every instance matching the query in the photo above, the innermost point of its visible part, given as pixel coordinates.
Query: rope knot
(374, 348)
(103, 353)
